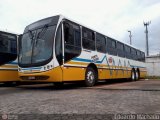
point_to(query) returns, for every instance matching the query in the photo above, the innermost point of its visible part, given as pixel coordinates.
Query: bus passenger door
(72, 49)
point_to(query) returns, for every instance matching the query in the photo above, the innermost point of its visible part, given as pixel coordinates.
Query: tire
(137, 75)
(133, 75)
(90, 77)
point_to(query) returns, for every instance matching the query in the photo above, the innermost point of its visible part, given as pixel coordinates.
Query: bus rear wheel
(137, 75)
(133, 75)
(90, 77)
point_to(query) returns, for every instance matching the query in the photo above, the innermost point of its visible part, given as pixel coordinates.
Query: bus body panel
(9, 76)
(73, 73)
(9, 72)
(55, 75)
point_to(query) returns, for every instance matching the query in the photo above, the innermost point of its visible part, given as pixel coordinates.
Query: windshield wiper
(42, 32)
(31, 34)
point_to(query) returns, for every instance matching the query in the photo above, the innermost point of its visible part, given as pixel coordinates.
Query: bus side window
(8, 47)
(142, 56)
(4, 44)
(133, 53)
(120, 49)
(100, 43)
(88, 38)
(72, 39)
(68, 33)
(138, 55)
(111, 46)
(128, 52)
(14, 46)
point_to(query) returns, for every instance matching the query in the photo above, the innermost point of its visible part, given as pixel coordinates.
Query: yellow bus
(58, 50)
(8, 58)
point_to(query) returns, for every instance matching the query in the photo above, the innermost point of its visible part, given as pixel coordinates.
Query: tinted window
(127, 49)
(72, 38)
(36, 47)
(51, 21)
(120, 46)
(111, 46)
(120, 49)
(138, 55)
(88, 39)
(133, 53)
(43, 44)
(8, 47)
(142, 56)
(128, 52)
(100, 43)
(8, 43)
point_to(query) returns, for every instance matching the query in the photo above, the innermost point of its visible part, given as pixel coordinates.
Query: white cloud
(111, 17)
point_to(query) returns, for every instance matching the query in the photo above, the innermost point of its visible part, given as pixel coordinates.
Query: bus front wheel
(90, 77)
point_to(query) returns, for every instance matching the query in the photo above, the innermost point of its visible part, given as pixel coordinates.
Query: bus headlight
(19, 69)
(48, 67)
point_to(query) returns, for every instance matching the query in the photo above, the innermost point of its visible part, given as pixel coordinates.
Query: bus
(59, 50)
(8, 57)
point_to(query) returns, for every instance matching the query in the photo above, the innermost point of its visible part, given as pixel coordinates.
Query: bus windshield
(8, 47)
(36, 45)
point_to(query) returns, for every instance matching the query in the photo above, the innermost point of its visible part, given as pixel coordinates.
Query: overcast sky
(111, 17)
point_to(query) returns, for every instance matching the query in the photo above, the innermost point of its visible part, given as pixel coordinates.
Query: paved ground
(105, 98)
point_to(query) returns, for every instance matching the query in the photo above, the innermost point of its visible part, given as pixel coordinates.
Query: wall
(153, 65)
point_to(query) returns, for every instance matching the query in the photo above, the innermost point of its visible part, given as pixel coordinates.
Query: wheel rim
(90, 76)
(133, 76)
(137, 76)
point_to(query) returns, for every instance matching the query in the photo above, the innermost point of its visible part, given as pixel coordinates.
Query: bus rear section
(59, 50)
(8, 57)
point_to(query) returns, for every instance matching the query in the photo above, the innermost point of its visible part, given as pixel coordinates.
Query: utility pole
(146, 24)
(130, 36)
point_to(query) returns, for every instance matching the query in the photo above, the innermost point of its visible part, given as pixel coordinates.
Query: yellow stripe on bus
(8, 66)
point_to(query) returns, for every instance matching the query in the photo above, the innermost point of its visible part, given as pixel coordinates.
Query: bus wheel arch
(91, 75)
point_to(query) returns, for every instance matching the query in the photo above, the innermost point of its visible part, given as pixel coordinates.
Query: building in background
(153, 65)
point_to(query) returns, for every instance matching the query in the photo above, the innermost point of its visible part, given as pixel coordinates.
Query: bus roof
(10, 32)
